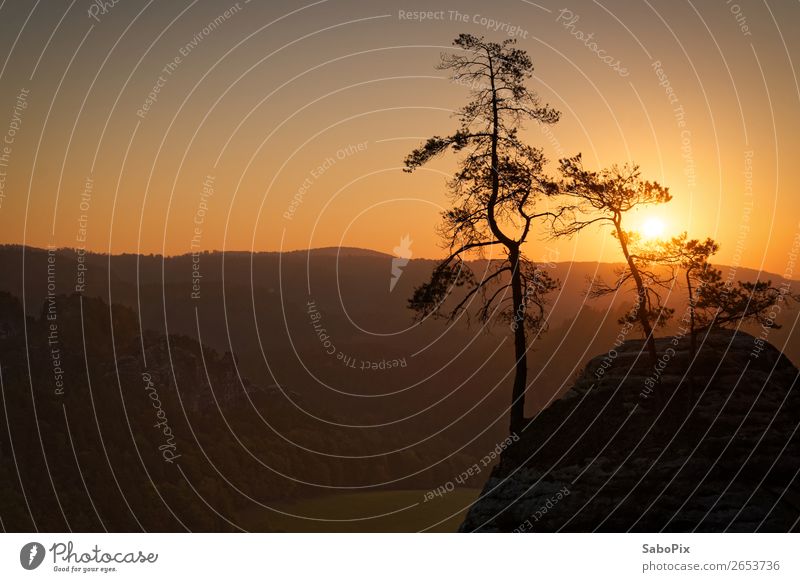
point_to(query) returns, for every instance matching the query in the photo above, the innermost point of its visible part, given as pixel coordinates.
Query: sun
(652, 228)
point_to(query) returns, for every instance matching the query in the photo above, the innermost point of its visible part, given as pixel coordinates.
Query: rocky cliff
(672, 447)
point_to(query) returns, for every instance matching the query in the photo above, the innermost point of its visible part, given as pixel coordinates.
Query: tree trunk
(520, 345)
(641, 309)
(517, 421)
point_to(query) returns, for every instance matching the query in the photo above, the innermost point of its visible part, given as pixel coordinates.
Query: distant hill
(341, 252)
(255, 306)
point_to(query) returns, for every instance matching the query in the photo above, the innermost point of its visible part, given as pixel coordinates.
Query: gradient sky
(261, 100)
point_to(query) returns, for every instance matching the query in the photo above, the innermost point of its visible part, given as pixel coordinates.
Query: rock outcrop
(636, 447)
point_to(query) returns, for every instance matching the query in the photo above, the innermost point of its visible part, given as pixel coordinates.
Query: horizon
(366, 251)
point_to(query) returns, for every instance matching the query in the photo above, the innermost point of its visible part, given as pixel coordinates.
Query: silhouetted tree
(605, 197)
(691, 256)
(493, 194)
(722, 304)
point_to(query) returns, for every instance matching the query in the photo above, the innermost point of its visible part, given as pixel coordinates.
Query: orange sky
(297, 120)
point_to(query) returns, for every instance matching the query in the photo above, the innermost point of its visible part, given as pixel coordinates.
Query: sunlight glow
(652, 228)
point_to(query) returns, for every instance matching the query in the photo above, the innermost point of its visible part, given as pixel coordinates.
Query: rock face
(637, 447)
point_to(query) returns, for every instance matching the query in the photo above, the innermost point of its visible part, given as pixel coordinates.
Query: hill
(107, 429)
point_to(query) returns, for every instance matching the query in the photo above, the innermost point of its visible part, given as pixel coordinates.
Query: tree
(493, 195)
(691, 256)
(714, 302)
(605, 197)
(722, 304)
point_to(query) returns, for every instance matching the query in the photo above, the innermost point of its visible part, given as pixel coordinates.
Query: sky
(172, 127)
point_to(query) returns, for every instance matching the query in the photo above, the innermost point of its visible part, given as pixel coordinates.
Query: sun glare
(652, 228)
